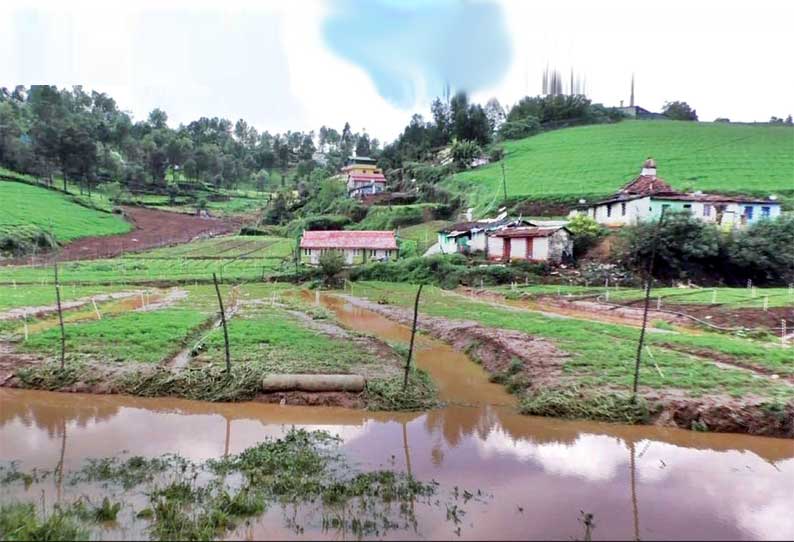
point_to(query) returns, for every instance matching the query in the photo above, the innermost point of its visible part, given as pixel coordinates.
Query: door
(530, 242)
(506, 249)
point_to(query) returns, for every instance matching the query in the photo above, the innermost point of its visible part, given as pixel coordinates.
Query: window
(765, 211)
(706, 209)
(623, 209)
(748, 212)
(688, 207)
(665, 207)
(609, 210)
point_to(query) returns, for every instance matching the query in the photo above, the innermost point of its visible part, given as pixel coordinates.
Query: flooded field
(531, 477)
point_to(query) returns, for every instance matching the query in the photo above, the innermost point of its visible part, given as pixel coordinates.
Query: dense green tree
(679, 111)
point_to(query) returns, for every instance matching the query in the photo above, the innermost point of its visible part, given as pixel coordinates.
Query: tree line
(86, 138)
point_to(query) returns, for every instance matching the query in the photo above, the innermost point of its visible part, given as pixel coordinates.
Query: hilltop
(593, 161)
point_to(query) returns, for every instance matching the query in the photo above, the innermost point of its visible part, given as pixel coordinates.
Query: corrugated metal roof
(528, 232)
(341, 239)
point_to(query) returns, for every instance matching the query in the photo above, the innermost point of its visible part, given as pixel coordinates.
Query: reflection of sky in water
(551, 469)
(410, 49)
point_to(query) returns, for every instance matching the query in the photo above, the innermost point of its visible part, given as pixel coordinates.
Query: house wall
(495, 247)
(479, 241)
(734, 214)
(560, 245)
(636, 210)
(447, 244)
(352, 256)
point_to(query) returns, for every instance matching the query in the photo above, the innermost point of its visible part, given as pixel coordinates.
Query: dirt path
(152, 228)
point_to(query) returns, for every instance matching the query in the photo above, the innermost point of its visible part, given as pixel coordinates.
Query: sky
(306, 63)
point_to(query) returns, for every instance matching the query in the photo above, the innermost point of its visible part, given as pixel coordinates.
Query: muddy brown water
(537, 473)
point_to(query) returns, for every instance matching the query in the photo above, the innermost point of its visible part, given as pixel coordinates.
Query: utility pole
(648, 281)
(60, 314)
(223, 322)
(504, 180)
(413, 334)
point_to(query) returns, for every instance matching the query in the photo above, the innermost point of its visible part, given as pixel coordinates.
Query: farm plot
(234, 259)
(603, 354)
(270, 330)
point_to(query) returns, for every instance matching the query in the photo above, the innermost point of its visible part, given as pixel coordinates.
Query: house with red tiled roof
(646, 196)
(356, 247)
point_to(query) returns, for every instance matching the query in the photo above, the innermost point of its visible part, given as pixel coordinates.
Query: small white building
(538, 244)
(647, 195)
(472, 236)
(356, 246)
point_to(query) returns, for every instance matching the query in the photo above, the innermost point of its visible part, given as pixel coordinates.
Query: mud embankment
(542, 364)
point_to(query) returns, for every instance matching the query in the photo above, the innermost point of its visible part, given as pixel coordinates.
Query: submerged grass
(188, 501)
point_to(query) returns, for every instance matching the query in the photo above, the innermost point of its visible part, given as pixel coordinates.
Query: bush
(464, 152)
(586, 233)
(519, 129)
(317, 222)
(331, 263)
(685, 248)
(764, 252)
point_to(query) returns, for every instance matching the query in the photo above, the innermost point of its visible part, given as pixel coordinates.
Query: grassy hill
(29, 210)
(593, 161)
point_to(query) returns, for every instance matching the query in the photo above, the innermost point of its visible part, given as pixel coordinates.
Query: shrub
(519, 129)
(764, 252)
(464, 152)
(586, 233)
(331, 263)
(685, 246)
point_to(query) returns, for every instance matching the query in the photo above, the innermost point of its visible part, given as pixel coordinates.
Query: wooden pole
(223, 322)
(60, 314)
(648, 282)
(413, 334)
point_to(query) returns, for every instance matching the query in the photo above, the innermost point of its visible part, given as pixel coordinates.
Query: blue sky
(301, 64)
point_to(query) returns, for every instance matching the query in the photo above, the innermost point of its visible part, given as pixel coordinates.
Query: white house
(472, 236)
(647, 195)
(356, 246)
(538, 244)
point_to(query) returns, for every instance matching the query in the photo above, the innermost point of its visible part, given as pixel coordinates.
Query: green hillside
(28, 210)
(592, 161)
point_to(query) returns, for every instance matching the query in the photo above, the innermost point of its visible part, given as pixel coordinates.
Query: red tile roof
(341, 239)
(371, 177)
(647, 185)
(527, 232)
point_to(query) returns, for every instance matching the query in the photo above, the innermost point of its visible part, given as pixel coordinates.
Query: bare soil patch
(152, 228)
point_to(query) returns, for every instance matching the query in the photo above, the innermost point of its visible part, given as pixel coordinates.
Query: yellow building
(362, 165)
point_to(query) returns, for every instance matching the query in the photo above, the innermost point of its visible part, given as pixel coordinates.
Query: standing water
(537, 475)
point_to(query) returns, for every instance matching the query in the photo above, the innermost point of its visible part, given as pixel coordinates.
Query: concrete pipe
(313, 383)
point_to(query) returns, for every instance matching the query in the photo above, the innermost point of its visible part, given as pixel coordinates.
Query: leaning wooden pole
(223, 322)
(648, 282)
(60, 314)
(413, 334)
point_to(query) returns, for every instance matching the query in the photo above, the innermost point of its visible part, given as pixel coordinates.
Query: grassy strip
(573, 403)
(604, 353)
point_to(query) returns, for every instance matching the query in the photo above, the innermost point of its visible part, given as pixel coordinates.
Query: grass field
(25, 205)
(425, 234)
(37, 296)
(723, 296)
(604, 353)
(231, 258)
(592, 161)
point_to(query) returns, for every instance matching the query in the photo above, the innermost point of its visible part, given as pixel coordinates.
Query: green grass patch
(603, 354)
(592, 161)
(142, 336)
(25, 206)
(38, 296)
(573, 403)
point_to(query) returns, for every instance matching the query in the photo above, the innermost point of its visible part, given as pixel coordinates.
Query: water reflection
(540, 477)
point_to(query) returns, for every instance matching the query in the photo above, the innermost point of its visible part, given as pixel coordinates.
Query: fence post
(413, 334)
(783, 332)
(766, 302)
(96, 309)
(60, 314)
(714, 297)
(223, 322)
